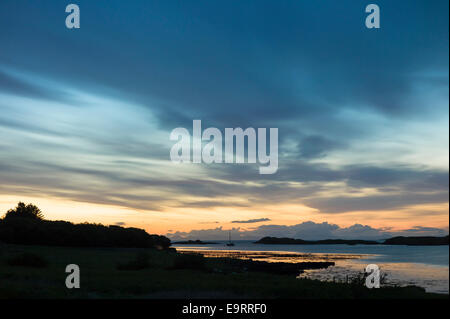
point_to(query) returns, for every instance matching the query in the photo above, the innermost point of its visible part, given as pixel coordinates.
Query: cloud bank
(307, 231)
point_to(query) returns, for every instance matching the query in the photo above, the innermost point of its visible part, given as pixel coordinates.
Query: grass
(141, 261)
(27, 260)
(161, 274)
(189, 261)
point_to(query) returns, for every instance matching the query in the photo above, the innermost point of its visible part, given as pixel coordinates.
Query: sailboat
(230, 243)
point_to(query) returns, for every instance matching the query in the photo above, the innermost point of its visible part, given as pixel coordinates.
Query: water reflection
(431, 277)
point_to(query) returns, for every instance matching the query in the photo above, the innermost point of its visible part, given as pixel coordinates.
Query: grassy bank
(39, 272)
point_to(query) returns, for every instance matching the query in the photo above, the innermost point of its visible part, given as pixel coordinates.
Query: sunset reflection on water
(272, 256)
(347, 266)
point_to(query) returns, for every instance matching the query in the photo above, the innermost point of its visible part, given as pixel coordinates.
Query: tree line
(25, 224)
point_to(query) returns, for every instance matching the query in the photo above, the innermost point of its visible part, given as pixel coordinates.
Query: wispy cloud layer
(250, 221)
(362, 116)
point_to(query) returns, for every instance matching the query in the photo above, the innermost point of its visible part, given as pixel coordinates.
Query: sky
(362, 115)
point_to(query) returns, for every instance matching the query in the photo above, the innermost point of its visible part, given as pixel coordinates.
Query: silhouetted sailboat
(230, 243)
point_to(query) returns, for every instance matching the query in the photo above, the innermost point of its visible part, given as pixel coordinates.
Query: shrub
(27, 260)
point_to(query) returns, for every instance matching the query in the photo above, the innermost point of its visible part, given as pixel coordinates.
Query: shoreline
(346, 265)
(148, 273)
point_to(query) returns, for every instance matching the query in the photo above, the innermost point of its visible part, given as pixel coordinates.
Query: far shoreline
(399, 240)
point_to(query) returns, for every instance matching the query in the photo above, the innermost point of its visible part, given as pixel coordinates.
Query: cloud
(307, 230)
(271, 77)
(249, 221)
(424, 231)
(226, 186)
(11, 84)
(315, 146)
(375, 202)
(364, 111)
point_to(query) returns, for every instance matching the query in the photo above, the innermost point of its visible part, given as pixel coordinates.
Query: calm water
(425, 266)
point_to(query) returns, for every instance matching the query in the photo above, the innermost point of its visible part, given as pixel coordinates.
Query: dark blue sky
(359, 111)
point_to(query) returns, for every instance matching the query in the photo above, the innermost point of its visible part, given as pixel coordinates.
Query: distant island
(411, 241)
(417, 241)
(292, 241)
(194, 242)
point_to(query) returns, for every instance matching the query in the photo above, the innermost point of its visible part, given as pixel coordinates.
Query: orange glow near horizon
(187, 219)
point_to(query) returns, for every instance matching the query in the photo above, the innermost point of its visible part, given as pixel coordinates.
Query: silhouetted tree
(25, 211)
